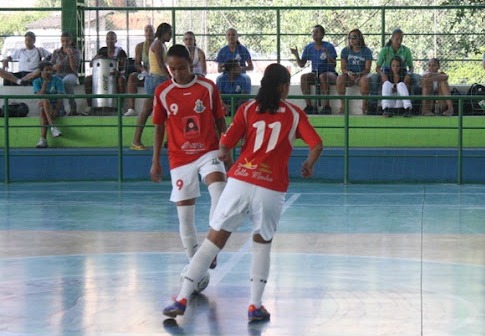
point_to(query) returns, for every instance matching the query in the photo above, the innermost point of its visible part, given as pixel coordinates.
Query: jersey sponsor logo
(191, 127)
(247, 169)
(192, 147)
(199, 106)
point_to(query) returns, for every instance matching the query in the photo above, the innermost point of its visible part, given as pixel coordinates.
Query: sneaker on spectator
(55, 132)
(42, 143)
(407, 112)
(87, 111)
(310, 110)
(176, 308)
(130, 113)
(258, 314)
(326, 110)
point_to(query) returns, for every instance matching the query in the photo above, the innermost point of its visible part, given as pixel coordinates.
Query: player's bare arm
(156, 168)
(313, 156)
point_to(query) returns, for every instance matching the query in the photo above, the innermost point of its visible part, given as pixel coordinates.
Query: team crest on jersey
(199, 106)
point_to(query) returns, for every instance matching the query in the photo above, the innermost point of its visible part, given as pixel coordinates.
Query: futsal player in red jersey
(257, 183)
(190, 108)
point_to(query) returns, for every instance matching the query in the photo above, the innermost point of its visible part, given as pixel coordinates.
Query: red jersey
(189, 112)
(268, 142)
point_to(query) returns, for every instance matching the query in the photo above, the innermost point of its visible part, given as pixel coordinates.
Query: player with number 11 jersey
(259, 163)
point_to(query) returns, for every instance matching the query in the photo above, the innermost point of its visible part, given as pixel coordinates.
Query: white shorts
(240, 200)
(185, 179)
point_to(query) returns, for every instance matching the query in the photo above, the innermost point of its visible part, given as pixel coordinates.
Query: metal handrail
(347, 127)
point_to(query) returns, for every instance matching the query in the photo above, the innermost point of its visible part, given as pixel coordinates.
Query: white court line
(221, 272)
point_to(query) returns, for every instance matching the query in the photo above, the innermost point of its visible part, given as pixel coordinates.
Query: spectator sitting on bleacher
(397, 84)
(234, 50)
(49, 109)
(110, 51)
(435, 81)
(28, 58)
(356, 61)
(393, 47)
(199, 64)
(232, 82)
(323, 57)
(67, 60)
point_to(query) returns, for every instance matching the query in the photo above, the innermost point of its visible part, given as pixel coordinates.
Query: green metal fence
(456, 128)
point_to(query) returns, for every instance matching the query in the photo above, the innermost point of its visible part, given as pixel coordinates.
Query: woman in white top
(199, 65)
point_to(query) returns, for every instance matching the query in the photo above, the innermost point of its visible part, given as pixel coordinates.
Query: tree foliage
(48, 3)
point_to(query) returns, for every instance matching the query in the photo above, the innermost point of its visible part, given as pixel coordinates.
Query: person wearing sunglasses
(356, 60)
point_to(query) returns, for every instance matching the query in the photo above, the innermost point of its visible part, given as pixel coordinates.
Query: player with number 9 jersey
(189, 112)
(267, 143)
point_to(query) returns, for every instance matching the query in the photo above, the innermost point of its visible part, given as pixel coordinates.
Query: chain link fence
(455, 35)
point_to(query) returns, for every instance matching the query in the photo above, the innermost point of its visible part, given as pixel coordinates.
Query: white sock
(260, 264)
(215, 190)
(199, 265)
(188, 233)
(19, 82)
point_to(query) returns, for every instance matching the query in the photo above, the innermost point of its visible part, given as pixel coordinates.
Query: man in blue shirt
(234, 50)
(48, 83)
(323, 57)
(232, 82)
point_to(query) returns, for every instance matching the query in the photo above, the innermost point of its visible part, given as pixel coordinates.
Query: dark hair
(402, 68)
(43, 64)
(231, 64)
(269, 95)
(322, 30)
(112, 33)
(359, 35)
(30, 34)
(235, 31)
(179, 50)
(394, 32)
(434, 59)
(69, 36)
(162, 29)
(191, 33)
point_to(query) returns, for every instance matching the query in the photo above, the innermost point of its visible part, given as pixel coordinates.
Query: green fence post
(7, 145)
(346, 142)
(460, 141)
(120, 138)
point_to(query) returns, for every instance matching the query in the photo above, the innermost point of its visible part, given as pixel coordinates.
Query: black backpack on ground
(473, 107)
(15, 110)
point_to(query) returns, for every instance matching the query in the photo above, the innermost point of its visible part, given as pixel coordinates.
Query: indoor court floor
(104, 258)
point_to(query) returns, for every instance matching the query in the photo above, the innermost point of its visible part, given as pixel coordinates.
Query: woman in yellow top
(157, 74)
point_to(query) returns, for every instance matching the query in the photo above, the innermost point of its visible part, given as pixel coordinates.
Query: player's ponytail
(270, 93)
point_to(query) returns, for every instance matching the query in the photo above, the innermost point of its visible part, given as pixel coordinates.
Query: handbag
(15, 110)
